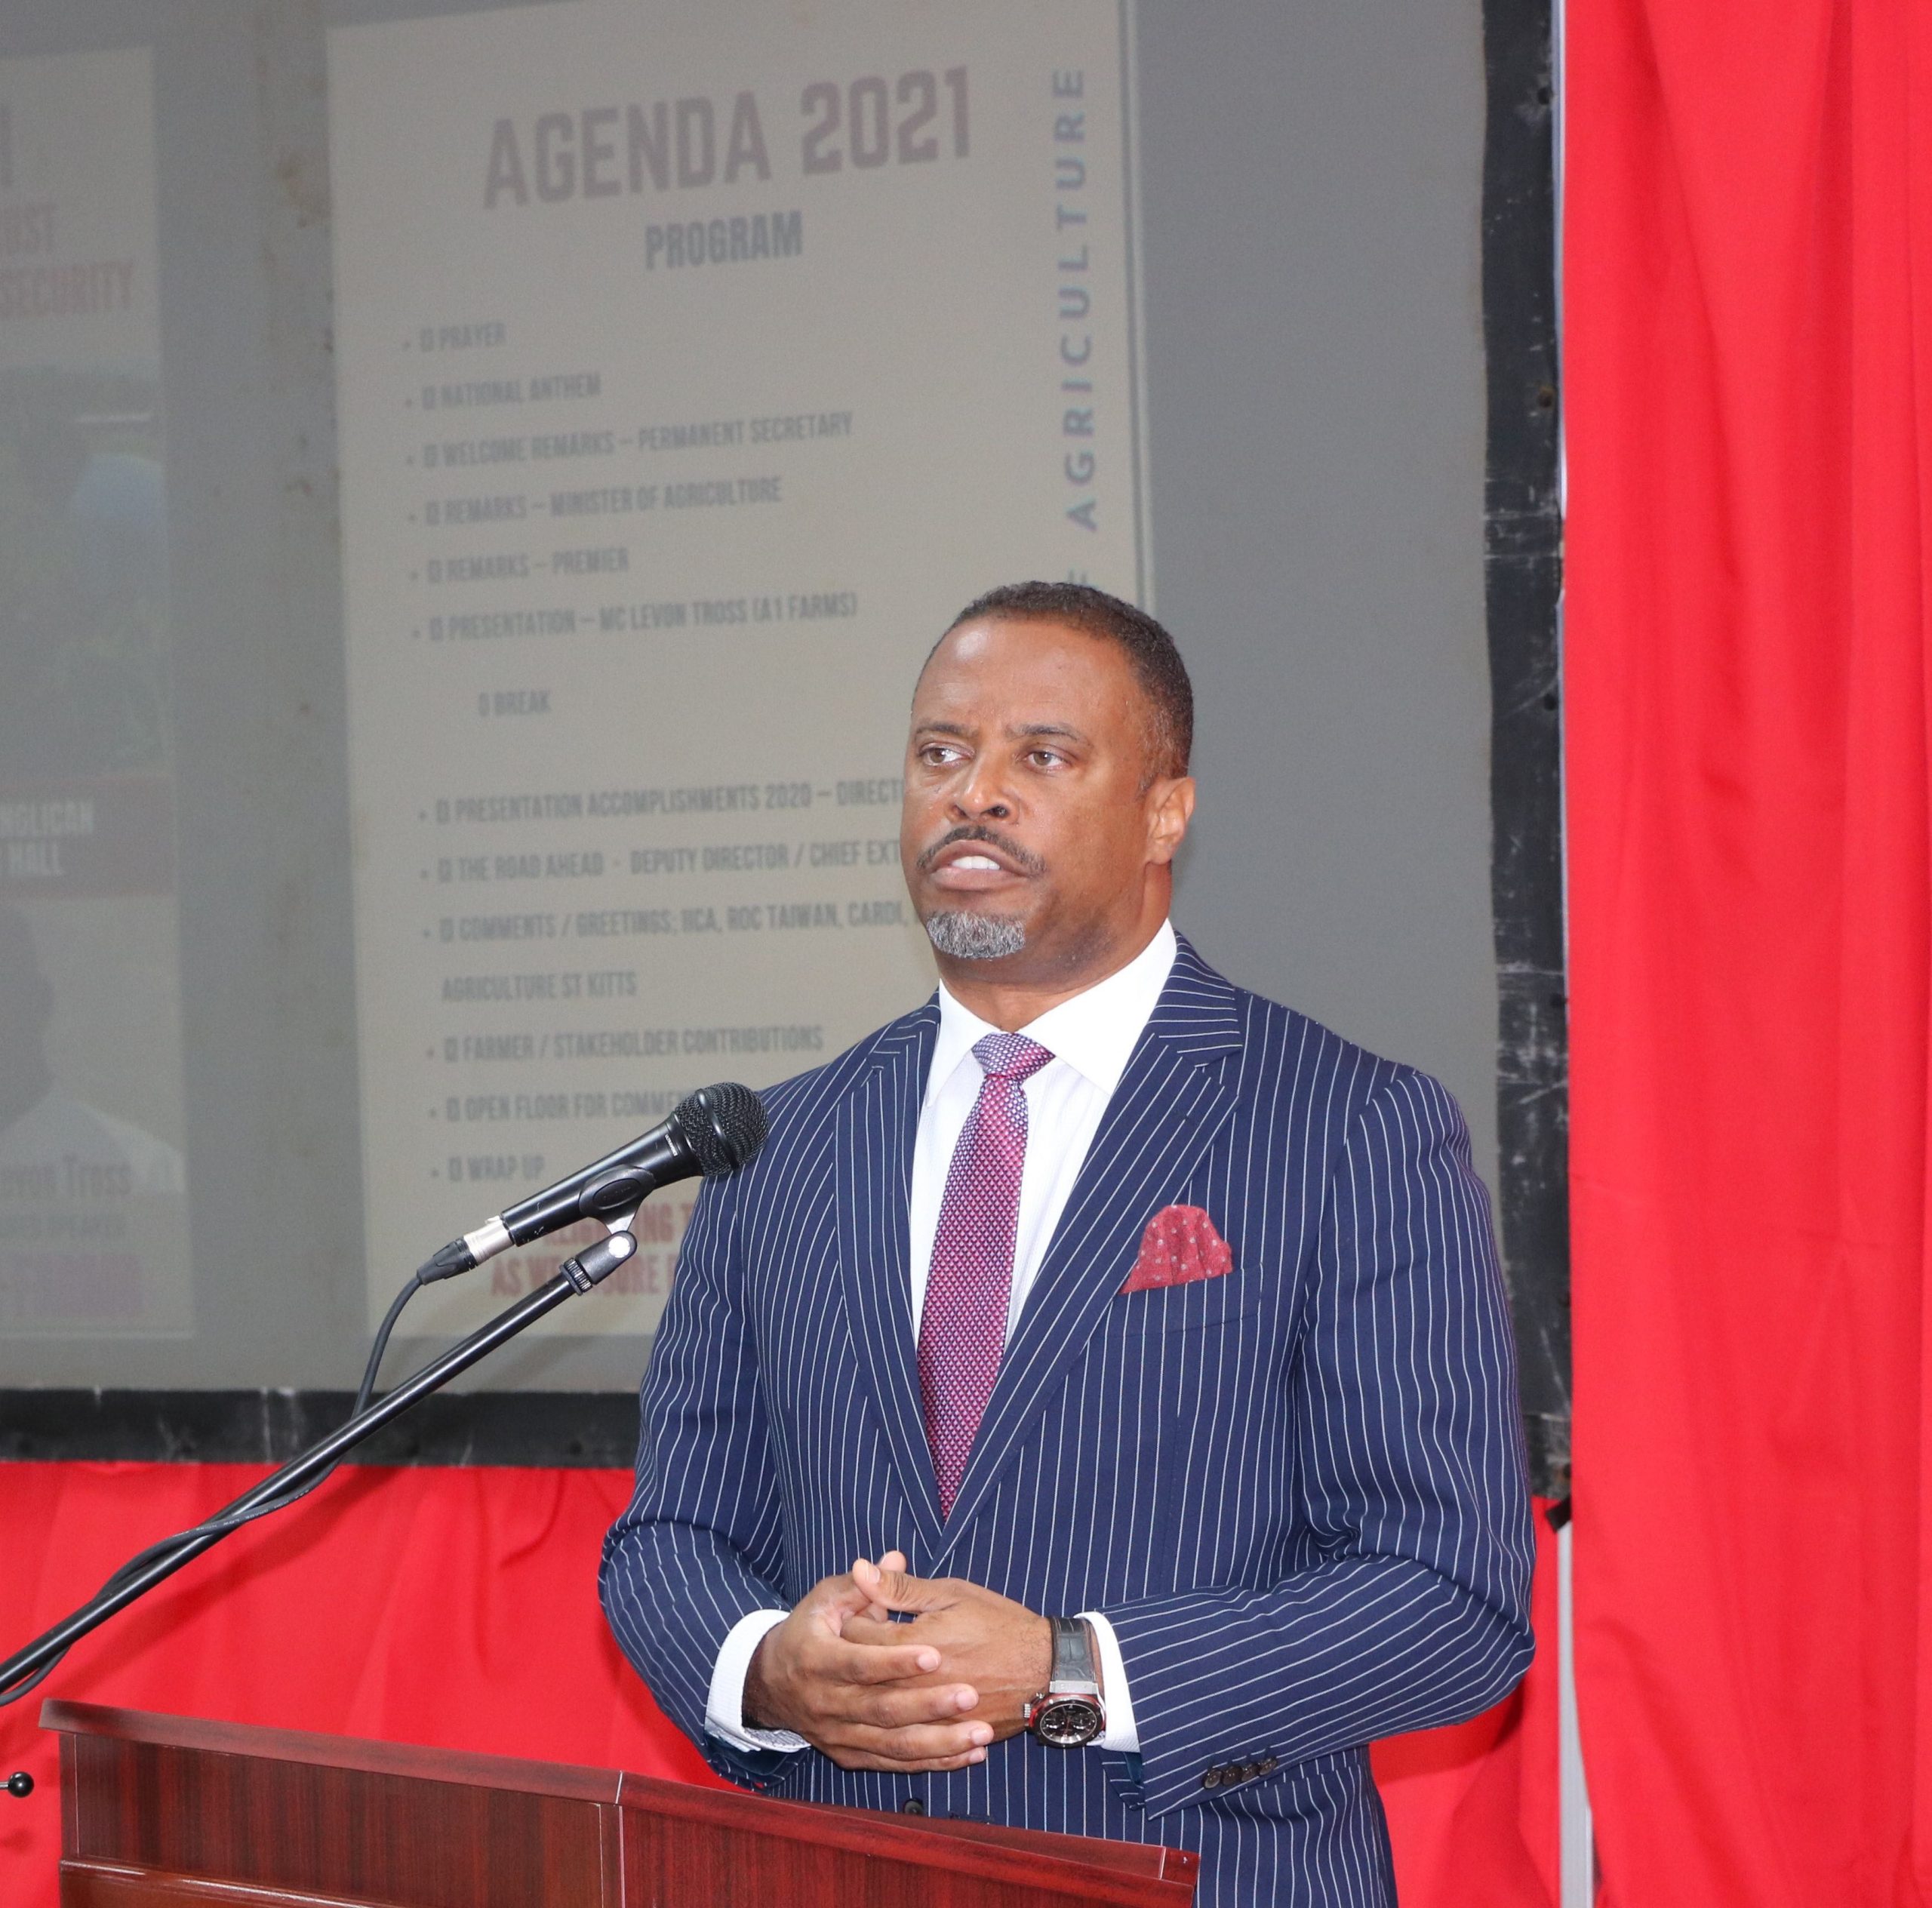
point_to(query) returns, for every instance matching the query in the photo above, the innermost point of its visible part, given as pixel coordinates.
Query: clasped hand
(930, 1693)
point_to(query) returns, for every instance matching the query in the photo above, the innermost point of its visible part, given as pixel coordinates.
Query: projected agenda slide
(693, 373)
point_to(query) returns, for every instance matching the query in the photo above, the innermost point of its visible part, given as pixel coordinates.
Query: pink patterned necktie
(962, 1330)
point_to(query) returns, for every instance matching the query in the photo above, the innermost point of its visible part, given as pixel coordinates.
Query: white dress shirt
(1091, 1037)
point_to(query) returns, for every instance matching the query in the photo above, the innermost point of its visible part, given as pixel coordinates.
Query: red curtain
(459, 1608)
(1747, 325)
(452, 1607)
(1473, 1810)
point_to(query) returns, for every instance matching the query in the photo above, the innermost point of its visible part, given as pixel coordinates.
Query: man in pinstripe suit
(1098, 1324)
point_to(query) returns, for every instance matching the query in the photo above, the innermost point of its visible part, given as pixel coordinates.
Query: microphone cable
(221, 1526)
(713, 1131)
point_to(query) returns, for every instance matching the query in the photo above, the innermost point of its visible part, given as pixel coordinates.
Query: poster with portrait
(94, 1230)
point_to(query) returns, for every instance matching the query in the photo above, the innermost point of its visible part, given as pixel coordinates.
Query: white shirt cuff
(1120, 1734)
(724, 1708)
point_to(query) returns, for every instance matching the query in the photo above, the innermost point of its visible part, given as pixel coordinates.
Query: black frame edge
(1523, 553)
(568, 1430)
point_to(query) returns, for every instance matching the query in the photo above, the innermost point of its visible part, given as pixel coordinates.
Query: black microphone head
(723, 1125)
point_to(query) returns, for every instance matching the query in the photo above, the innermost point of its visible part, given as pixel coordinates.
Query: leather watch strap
(1069, 1713)
(1073, 1653)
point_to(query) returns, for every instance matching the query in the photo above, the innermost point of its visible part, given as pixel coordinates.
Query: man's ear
(1170, 808)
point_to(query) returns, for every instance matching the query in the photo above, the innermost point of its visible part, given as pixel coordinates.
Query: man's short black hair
(1157, 663)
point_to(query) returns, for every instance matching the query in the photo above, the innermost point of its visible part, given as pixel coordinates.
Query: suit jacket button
(1212, 1779)
(911, 1805)
(1270, 1764)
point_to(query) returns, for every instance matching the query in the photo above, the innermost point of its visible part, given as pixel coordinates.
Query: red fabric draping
(1748, 318)
(1472, 1810)
(458, 1607)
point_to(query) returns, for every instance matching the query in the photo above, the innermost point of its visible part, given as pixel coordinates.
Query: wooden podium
(163, 1811)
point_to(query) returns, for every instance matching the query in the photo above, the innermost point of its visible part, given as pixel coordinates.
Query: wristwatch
(1069, 1713)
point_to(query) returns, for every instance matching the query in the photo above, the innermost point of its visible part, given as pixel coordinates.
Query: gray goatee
(975, 936)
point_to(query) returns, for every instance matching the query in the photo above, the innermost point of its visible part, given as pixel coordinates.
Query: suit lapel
(877, 1123)
(1177, 1092)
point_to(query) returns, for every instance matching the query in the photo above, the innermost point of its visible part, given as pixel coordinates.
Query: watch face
(1067, 1721)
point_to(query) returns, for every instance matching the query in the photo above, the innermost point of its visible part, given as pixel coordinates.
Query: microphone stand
(590, 1267)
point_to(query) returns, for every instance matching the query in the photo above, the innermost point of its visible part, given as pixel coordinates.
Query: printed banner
(93, 1229)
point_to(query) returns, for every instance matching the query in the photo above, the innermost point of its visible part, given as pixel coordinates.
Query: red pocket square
(1179, 1245)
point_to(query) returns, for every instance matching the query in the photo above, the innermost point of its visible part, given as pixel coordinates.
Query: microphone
(713, 1132)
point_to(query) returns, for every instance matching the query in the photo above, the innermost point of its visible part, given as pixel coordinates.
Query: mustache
(1027, 863)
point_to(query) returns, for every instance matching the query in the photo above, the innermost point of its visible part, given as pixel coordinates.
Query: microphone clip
(596, 1263)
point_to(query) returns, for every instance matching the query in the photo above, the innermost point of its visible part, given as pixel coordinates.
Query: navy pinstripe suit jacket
(1296, 1490)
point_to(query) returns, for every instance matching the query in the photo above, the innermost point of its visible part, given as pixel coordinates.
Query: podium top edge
(476, 1770)
(1128, 1873)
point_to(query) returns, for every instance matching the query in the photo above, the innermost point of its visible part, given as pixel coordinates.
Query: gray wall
(1310, 179)
(1311, 182)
